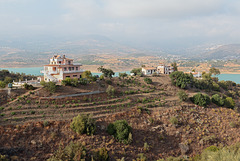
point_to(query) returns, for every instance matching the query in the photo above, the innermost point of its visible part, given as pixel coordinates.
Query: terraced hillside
(39, 105)
(34, 125)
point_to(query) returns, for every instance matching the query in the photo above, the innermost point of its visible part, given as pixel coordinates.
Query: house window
(74, 75)
(72, 68)
(76, 68)
(69, 62)
(80, 76)
(69, 68)
(65, 69)
(67, 76)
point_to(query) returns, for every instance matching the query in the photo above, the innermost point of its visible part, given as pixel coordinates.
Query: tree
(120, 130)
(87, 74)
(229, 102)
(110, 90)
(148, 80)
(174, 65)
(181, 79)
(136, 71)
(106, 72)
(8, 80)
(122, 75)
(216, 99)
(214, 71)
(67, 82)
(2, 84)
(83, 124)
(201, 99)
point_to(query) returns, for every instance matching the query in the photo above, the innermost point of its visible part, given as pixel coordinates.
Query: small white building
(149, 70)
(164, 69)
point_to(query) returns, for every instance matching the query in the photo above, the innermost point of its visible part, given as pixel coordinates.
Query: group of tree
(204, 100)
(208, 83)
(181, 79)
(8, 77)
(184, 80)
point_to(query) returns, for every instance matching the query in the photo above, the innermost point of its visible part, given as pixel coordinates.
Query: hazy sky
(150, 21)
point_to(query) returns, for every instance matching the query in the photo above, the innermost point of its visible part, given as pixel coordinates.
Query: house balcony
(49, 72)
(74, 71)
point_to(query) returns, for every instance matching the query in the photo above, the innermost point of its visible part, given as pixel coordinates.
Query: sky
(158, 22)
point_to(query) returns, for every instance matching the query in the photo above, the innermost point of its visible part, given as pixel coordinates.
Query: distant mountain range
(213, 52)
(225, 52)
(41, 48)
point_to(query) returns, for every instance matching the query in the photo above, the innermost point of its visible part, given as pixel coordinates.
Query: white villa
(149, 70)
(160, 69)
(60, 68)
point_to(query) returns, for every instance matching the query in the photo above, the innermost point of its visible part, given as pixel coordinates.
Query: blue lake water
(36, 71)
(231, 77)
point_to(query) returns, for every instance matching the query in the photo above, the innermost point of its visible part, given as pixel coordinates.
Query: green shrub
(28, 86)
(183, 96)
(212, 148)
(174, 120)
(83, 81)
(231, 153)
(101, 77)
(120, 130)
(215, 87)
(148, 80)
(70, 82)
(111, 129)
(101, 155)
(180, 79)
(2, 84)
(216, 99)
(72, 152)
(201, 99)
(110, 90)
(83, 124)
(49, 86)
(229, 102)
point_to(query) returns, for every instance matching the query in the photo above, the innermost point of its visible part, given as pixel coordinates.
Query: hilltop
(36, 123)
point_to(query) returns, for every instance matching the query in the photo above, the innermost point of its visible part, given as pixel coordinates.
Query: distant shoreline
(96, 71)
